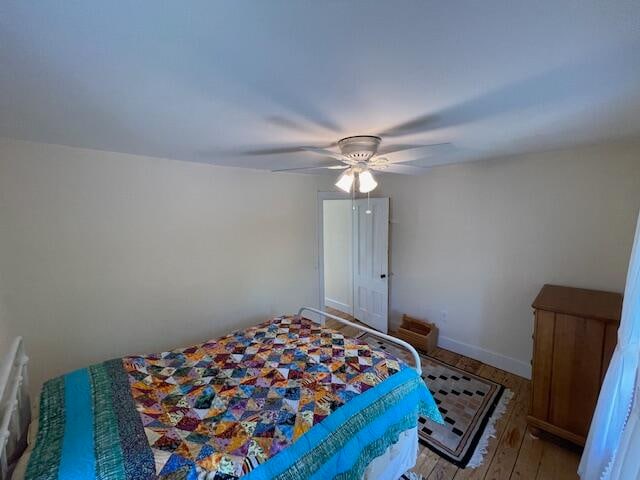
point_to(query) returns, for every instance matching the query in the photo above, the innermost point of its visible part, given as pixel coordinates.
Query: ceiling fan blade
(300, 108)
(569, 81)
(384, 149)
(273, 151)
(285, 122)
(419, 124)
(410, 154)
(387, 150)
(280, 150)
(299, 169)
(403, 169)
(327, 153)
(299, 126)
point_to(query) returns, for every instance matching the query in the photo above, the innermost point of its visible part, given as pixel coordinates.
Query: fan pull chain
(368, 211)
(353, 198)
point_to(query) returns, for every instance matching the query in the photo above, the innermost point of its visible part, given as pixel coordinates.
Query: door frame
(338, 195)
(322, 196)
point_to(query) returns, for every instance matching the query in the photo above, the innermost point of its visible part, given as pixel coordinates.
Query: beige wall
(337, 232)
(107, 254)
(478, 241)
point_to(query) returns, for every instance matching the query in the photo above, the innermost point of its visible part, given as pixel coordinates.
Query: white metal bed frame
(15, 408)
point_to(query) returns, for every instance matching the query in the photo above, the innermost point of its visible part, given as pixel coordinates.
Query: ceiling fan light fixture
(345, 180)
(366, 181)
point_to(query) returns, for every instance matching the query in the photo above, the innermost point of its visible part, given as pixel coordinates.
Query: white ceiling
(206, 81)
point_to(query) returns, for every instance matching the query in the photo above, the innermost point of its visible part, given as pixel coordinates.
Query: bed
(287, 399)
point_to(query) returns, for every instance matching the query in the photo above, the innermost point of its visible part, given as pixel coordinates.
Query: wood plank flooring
(514, 453)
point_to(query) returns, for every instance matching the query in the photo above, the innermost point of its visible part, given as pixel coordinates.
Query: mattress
(286, 399)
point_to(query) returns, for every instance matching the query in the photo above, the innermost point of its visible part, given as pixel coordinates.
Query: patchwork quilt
(287, 399)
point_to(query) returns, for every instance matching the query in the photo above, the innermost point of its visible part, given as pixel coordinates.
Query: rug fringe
(490, 430)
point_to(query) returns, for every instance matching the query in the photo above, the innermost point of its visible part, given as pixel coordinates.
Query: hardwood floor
(513, 453)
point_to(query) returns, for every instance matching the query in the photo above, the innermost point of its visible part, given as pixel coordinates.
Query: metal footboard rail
(15, 411)
(397, 341)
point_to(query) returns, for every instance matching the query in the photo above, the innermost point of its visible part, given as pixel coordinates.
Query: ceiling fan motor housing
(360, 148)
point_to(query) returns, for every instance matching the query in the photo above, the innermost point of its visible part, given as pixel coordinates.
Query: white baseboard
(343, 307)
(494, 359)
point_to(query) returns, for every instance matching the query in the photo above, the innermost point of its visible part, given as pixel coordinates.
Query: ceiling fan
(357, 155)
(360, 155)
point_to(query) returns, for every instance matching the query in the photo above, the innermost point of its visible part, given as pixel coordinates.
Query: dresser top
(580, 302)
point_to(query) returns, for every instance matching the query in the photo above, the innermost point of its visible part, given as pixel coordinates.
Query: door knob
(384, 275)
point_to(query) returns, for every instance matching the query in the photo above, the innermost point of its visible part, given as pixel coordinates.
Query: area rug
(469, 404)
(411, 476)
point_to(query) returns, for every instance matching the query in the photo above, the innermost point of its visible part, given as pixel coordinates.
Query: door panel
(371, 261)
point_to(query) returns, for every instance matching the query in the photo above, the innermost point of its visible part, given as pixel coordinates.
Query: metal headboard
(402, 343)
(15, 409)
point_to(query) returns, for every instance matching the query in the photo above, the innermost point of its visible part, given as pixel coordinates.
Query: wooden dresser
(574, 336)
